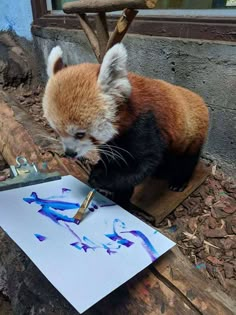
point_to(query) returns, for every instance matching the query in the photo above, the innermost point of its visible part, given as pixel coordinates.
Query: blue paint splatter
(173, 229)
(117, 238)
(201, 266)
(55, 204)
(55, 216)
(64, 190)
(48, 208)
(40, 237)
(86, 243)
(147, 245)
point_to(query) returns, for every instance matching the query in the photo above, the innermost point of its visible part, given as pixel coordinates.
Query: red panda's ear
(113, 76)
(55, 62)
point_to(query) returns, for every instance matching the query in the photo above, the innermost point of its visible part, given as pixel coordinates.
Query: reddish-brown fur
(182, 116)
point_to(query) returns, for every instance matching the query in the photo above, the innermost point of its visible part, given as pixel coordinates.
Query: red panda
(140, 126)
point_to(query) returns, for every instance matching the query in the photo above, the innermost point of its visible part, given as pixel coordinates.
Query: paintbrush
(80, 213)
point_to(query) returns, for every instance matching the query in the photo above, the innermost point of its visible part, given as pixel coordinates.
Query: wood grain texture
(179, 274)
(142, 295)
(21, 136)
(93, 6)
(89, 32)
(155, 198)
(102, 34)
(121, 27)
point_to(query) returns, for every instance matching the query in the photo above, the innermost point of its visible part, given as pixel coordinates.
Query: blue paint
(147, 245)
(48, 208)
(55, 204)
(117, 238)
(55, 216)
(16, 16)
(65, 190)
(40, 237)
(173, 229)
(201, 266)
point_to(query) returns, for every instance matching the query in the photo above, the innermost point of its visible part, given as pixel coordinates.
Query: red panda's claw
(177, 188)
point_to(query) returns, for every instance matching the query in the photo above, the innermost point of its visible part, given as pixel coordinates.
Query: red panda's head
(81, 101)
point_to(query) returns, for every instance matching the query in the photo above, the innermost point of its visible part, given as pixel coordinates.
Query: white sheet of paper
(84, 262)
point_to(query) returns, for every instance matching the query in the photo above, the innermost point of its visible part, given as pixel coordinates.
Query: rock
(180, 211)
(208, 201)
(214, 260)
(212, 222)
(229, 270)
(231, 224)
(192, 224)
(214, 233)
(14, 68)
(197, 242)
(226, 204)
(218, 213)
(228, 243)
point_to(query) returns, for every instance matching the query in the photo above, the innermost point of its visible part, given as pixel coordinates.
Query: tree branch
(121, 27)
(92, 37)
(93, 6)
(102, 33)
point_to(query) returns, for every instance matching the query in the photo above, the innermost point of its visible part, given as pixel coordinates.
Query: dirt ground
(204, 225)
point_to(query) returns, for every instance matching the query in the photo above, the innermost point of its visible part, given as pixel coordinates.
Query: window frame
(221, 28)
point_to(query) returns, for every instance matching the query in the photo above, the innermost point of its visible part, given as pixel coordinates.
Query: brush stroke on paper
(49, 209)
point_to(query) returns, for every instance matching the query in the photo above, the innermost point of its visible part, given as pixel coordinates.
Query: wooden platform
(156, 199)
(169, 286)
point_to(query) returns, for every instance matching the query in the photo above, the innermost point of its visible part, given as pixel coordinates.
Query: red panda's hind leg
(181, 170)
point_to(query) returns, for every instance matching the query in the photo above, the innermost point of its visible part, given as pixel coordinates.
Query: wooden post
(121, 27)
(102, 33)
(100, 40)
(92, 37)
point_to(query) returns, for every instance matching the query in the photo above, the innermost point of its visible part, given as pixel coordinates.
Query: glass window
(174, 4)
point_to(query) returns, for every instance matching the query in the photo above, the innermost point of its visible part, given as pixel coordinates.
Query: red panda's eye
(79, 135)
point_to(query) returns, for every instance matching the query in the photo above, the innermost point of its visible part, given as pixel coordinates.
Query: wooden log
(121, 27)
(93, 6)
(102, 34)
(175, 270)
(15, 140)
(92, 37)
(145, 294)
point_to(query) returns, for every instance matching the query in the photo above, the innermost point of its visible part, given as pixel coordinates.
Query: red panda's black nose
(70, 153)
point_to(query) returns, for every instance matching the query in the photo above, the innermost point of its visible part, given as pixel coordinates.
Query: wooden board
(154, 197)
(178, 273)
(145, 294)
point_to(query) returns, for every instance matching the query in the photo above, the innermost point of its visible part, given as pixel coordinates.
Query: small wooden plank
(177, 272)
(142, 295)
(154, 197)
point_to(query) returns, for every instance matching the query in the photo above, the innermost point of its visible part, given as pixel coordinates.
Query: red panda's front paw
(98, 180)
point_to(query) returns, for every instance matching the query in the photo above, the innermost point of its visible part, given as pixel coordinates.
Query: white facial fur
(81, 147)
(114, 84)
